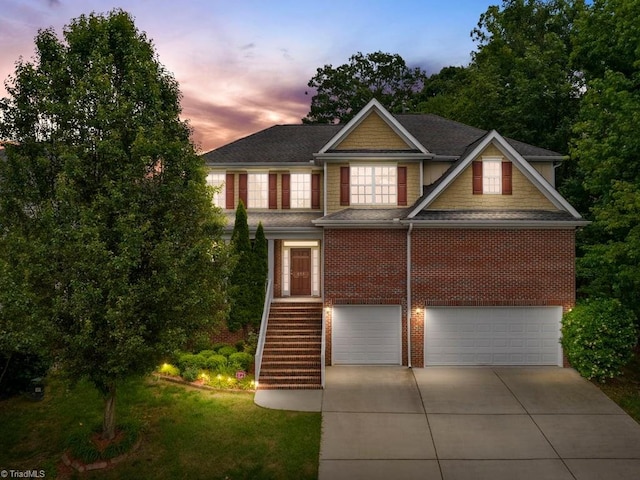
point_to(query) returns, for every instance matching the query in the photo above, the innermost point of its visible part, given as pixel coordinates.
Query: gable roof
(432, 136)
(374, 107)
(509, 152)
(275, 145)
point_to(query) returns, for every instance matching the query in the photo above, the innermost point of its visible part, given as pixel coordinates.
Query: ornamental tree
(115, 245)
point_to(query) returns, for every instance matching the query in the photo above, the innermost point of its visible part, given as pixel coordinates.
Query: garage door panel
(366, 335)
(493, 336)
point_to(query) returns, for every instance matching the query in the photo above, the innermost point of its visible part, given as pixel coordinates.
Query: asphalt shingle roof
(513, 215)
(298, 143)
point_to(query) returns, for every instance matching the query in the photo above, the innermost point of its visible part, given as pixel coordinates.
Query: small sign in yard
(240, 374)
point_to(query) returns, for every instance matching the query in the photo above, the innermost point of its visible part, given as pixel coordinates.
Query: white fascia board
(494, 224)
(373, 105)
(344, 156)
(521, 164)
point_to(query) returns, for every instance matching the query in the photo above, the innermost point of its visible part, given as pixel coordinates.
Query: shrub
(215, 362)
(242, 359)
(168, 369)
(217, 346)
(227, 350)
(206, 353)
(598, 337)
(188, 360)
(190, 374)
(251, 345)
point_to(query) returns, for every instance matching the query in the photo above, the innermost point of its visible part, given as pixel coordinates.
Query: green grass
(186, 433)
(625, 390)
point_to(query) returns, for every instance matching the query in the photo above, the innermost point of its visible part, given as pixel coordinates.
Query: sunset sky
(244, 65)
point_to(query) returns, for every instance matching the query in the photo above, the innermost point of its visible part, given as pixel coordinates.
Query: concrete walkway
(472, 423)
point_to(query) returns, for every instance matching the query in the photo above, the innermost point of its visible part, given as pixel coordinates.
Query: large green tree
(341, 92)
(111, 236)
(520, 81)
(606, 149)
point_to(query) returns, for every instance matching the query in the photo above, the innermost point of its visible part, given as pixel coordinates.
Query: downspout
(409, 295)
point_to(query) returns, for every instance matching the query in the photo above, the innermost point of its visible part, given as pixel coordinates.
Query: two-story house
(422, 241)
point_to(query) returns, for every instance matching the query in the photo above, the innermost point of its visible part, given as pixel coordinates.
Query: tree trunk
(109, 421)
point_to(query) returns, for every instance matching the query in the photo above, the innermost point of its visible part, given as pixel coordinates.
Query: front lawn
(186, 433)
(625, 390)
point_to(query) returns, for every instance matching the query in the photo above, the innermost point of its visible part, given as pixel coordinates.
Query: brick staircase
(291, 358)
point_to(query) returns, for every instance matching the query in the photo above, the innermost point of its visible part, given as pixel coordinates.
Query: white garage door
(493, 336)
(366, 335)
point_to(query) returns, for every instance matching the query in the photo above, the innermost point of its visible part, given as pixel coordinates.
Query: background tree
(103, 185)
(520, 81)
(343, 91)
(606, 149)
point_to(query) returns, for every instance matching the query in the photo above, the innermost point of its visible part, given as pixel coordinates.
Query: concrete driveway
(472, 423)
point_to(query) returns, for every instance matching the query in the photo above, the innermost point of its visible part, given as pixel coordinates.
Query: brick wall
(364, 266)
(454, 267)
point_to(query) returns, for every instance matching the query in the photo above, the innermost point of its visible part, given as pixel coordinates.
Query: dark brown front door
(300, 271)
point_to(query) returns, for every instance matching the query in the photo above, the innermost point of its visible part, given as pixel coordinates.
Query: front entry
(300, 271)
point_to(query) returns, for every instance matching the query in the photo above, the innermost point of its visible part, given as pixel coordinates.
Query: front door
(300, 271)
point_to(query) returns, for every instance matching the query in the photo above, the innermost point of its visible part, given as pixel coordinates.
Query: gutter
(409, 295)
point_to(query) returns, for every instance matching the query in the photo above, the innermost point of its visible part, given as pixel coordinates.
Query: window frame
(363, 192)
(492, 181)
(298, 186)
(254, 193)
(220, 197)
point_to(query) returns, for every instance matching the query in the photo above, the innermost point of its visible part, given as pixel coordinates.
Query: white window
(300, 190)
(258, 190)
(217, 180)
(492, 176)
(374, 185)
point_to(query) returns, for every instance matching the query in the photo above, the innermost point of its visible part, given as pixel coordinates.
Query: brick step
(291, 386)
(296, 312)
(304, 358)
(288, 338)
(293, 371)
(295, 318)
(295, 329)
(289, 379)
(294, 323)
(292, 348)
(289, 349)
(290, 364)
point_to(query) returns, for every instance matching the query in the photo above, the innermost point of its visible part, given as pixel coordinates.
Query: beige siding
(373, 133)
(459, 194)
(414, 190)
(434, 170)
(546, 170)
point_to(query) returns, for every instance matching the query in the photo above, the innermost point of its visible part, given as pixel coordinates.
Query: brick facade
(364, 266)
(450, 267)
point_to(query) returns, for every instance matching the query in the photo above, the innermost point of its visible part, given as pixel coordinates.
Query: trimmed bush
(598, 337)
(188, 360)
(206, 353)
(190, 374)
(243, 359)
(168, 369)
(215, 362)
(227, 350)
